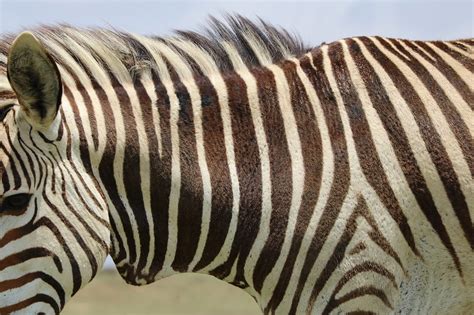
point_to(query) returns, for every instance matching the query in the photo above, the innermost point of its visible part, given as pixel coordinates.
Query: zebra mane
(128, 56)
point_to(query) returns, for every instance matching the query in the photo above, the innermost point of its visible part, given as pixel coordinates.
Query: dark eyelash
(4, 110)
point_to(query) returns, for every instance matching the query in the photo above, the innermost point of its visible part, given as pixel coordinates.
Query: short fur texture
(332, 180)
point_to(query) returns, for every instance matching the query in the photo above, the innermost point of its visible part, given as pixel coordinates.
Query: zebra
(334, 179)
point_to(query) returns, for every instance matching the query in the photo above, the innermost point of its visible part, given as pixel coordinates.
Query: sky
(314, 21)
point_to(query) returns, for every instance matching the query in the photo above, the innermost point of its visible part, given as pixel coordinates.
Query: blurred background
(314, 21)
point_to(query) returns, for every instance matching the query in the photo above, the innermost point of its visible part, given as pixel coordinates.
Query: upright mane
(125, 56)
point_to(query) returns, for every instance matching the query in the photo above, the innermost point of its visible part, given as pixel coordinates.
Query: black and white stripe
(329, 180)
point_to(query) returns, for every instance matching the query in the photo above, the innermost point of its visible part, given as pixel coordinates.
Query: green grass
(182, 294)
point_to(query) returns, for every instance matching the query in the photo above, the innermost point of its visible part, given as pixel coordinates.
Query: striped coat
(333, 179)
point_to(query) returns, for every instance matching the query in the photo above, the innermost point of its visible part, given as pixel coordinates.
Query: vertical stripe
(172, 239)
(224, 101)
(363, 138)
(280, 172)
(448, 157)
(312, 158)
(246, 204)
(410, 107)
(161, 178)
(305, 72)
(249, 84)
(317, 73)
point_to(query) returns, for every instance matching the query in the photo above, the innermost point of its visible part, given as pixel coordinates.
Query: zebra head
(54, 233)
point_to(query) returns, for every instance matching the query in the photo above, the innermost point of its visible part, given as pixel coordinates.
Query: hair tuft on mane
(127, 56)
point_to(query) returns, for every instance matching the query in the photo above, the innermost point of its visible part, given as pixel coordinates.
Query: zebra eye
(4, 110)
(16, 202)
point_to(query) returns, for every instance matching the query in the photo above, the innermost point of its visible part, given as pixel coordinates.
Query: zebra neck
(182, 191)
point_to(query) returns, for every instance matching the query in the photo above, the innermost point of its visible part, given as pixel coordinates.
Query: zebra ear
(35, 78)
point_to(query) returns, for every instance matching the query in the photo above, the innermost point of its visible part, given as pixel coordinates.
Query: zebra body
(335, 179)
